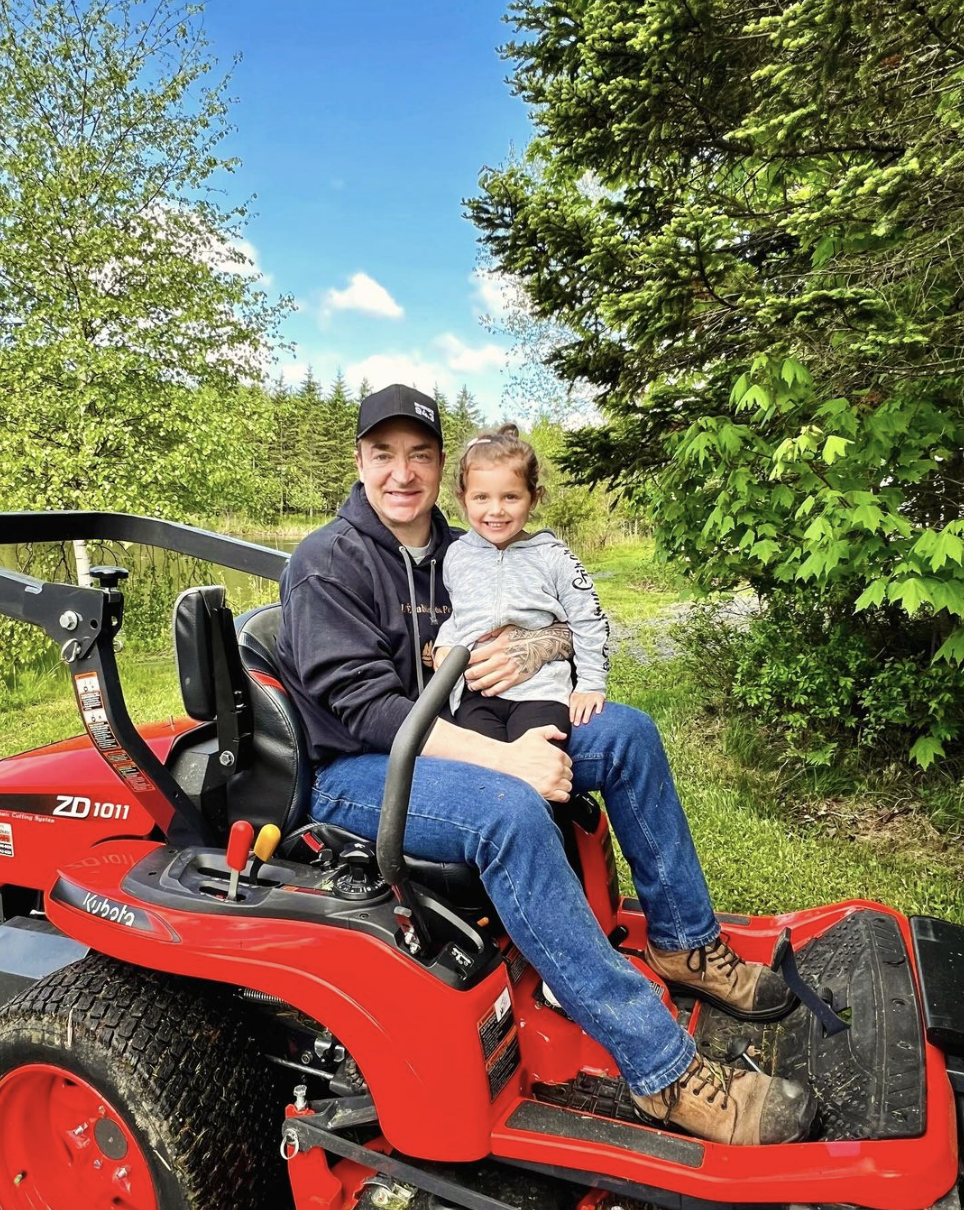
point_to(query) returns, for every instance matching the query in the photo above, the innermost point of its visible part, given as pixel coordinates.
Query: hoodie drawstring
(431, 596)
(407, 560)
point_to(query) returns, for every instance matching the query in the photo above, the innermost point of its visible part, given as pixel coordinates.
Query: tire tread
(185, 1059)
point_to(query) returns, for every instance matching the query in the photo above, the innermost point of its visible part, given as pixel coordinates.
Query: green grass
(40, 708)
(632, 585)
(757, 857)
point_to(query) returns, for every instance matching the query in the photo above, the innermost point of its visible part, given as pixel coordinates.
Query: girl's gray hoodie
(532, 583)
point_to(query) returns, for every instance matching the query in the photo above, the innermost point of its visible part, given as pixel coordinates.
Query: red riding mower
(170, 988)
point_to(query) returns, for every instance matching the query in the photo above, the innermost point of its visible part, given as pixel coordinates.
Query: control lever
(361, 880)
(359, 861)
(739, 1048)
(239, 844)
(784, 961)
(264, 847)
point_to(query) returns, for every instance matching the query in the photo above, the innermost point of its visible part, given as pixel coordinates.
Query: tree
(307, 467)
(587, 518)
(341, 415)
(130, 320)
(277, 454)
(462, 420)
(748, 216)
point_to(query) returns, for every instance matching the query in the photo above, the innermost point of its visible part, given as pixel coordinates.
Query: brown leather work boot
(727, 1105)
(716, 974)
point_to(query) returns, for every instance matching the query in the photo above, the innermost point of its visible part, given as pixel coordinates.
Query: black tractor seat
(230, 681)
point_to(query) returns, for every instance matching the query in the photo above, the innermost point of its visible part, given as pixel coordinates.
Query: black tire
(178, 1061)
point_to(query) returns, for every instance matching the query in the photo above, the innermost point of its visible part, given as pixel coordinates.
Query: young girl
(498, 575)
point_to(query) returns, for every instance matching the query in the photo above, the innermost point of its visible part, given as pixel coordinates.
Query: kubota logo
(107, 909)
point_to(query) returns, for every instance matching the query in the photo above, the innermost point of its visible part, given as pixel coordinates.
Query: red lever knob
(239, 844)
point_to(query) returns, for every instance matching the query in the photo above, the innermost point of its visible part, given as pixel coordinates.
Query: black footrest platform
(578, 1110)
(868, 1079)
(939, 953)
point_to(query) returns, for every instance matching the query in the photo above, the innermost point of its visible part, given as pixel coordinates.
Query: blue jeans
(464, 813)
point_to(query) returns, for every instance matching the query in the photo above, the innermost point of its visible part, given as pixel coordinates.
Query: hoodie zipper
(416, 646)
(498, 592)
(416, 639)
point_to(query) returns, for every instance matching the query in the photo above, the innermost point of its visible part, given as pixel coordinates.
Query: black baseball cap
(398, 400)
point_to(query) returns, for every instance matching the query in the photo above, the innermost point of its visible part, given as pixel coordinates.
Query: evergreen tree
(311, 453)
(747, 218)
(342, 422)
(466, 418)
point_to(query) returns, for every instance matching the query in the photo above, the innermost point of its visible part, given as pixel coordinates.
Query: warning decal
(502, 1065)
(500, 1043)
(516, 963)
(91, 702)
(496, 1024)
(6, 840)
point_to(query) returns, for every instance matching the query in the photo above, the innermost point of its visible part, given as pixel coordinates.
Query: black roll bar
(408, 743)
(149, 531)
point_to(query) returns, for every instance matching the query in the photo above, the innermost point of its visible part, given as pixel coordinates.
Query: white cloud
(293, 373)
(186, 230)
(237, 256)
(363, 294)
(463, 359)
(411, 369)
(496, 293)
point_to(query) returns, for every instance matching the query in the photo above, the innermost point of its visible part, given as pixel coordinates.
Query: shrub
(828, 684)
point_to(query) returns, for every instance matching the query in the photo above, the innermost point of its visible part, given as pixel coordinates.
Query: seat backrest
(276, 786)
(272, 777)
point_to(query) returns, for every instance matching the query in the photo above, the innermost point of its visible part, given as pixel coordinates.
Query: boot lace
(719, 953)
(701, 1075)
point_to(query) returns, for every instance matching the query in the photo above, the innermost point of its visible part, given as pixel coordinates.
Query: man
(362, 599)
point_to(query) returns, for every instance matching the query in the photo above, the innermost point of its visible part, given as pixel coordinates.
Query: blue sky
(361, 125)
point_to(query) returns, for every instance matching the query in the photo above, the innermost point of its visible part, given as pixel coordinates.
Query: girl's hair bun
(501, 445)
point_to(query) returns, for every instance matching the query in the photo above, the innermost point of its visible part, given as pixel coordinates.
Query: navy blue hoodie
(346, 647)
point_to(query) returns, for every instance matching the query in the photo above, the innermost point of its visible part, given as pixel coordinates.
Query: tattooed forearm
(530, 649)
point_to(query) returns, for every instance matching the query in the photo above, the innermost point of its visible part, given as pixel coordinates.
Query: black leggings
(498, 718)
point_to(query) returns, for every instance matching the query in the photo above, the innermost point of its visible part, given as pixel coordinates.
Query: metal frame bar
(150, 531)
(305, 1133)
(408, 743)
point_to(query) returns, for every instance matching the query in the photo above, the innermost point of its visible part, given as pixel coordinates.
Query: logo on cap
(424, 412)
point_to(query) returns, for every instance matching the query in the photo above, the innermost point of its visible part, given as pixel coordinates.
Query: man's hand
(511, 655)
(531, 757)
(582, 706)
(438, 655)
(544, 766)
